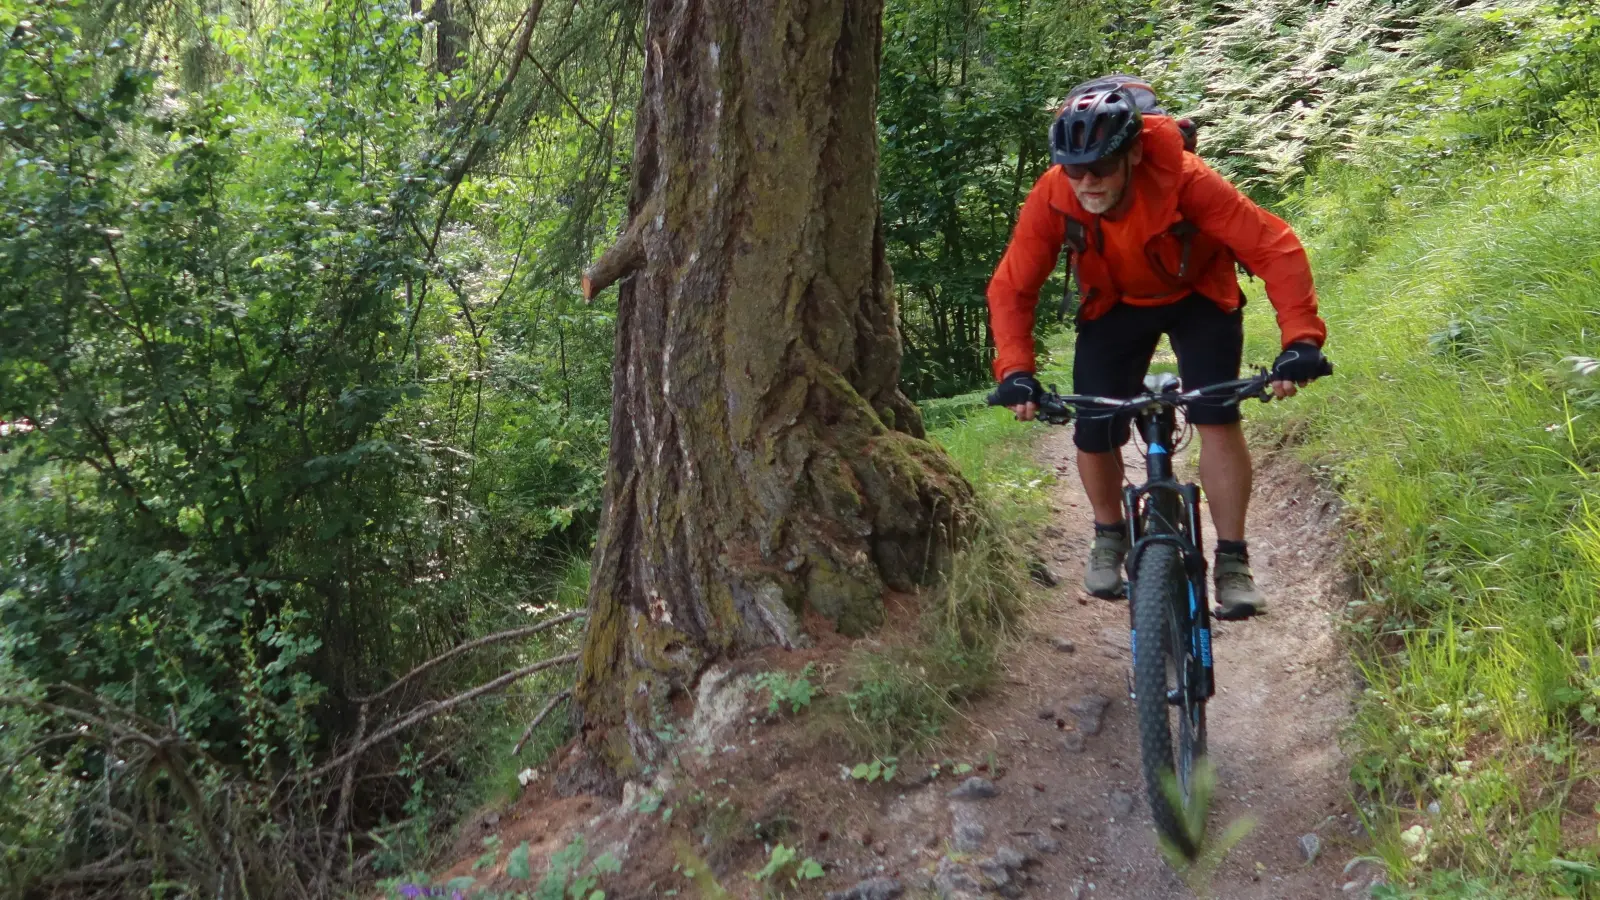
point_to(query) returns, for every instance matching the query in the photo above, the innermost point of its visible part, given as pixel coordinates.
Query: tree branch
(432, 708)
(496, 638)
(540, 718)
(625, 256)
(560, 92)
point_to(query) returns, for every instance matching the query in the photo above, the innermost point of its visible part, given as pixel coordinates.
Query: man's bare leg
(1102, 481)
(1226, 474)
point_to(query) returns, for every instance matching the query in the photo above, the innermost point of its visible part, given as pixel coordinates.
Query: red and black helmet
(1100, 119)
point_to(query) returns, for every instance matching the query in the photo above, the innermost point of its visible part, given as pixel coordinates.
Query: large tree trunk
(763, 460)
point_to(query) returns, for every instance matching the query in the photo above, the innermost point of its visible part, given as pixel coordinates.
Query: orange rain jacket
(1182, 233)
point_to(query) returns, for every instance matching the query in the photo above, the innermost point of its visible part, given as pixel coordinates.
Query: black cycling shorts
(1113, 355)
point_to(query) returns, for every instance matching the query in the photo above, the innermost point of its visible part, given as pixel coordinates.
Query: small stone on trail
(953, 882)
(1090, 710)
(996, 873)
(1058, 824)
(1121, 803)
(1047, 713)
(1011, 891)
(1310, 846)
(974, 788)
(1011, 857)
(871, 889)
(1041, 573)
(1063, 645)
(1072, 742)
(1044, 843)
(968, 836)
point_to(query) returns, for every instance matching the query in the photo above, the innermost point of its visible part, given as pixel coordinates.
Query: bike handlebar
(1057, 409)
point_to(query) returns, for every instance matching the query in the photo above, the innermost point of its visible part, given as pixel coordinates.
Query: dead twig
(540, 718)
(432, 708)
(496, 638)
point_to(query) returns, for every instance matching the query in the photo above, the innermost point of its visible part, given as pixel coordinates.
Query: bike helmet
(1099, 120)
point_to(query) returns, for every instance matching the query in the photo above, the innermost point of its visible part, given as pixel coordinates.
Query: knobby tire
(1160, 591)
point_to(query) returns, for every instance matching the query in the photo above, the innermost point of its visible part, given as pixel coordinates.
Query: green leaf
(517, 863)
(809, 870)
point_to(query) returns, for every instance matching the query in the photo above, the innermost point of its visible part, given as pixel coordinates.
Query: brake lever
(1052, 410)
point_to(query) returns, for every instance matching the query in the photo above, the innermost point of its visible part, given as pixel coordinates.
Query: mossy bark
(763, 459)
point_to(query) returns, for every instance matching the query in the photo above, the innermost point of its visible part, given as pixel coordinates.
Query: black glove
(1300, 362)
(1018, 388)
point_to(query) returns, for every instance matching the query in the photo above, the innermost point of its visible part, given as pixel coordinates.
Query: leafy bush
(783, 689)
(280, 457)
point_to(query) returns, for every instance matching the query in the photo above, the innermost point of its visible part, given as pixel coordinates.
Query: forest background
(301, 393)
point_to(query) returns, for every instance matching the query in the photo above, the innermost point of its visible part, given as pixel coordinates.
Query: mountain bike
(1169, 616)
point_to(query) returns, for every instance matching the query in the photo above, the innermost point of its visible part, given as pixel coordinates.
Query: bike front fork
(1201, 675)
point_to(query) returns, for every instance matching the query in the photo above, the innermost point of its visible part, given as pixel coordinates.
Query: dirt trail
(1284, 691)
(1063, 813)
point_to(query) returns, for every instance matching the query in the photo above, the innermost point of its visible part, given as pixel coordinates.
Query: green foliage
(943, 412)
(882, 768)
(784, 689)
(1211, 849)
(1461, 335)
(567, 878)
(313, 406)
(784, 864)
(966, 96)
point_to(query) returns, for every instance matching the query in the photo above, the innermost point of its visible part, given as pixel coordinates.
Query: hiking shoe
(1237, 594)
(1103, 577)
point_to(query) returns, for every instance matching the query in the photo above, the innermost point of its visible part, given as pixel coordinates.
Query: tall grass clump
(902, 694)
(1463, 428)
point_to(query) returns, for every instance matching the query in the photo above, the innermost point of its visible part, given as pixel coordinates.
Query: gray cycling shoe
(1103, 577)
(1237, 594)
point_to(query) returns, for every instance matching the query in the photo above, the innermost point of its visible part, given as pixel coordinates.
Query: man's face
(1099, 194)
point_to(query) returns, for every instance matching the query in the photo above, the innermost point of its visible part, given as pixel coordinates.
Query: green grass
(1467, 447)
(901, 696)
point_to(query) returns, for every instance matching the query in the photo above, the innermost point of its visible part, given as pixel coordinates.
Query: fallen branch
(100, 871)
(625, 256)
(497, 637)
(432, 708)
(540, 718)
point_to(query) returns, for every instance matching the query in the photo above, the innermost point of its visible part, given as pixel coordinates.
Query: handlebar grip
(993, 399)
(1326, 369)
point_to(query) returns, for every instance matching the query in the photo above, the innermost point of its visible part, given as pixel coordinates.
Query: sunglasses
(1102, 168)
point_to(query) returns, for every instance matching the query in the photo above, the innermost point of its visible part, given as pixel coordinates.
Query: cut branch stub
(625, 256)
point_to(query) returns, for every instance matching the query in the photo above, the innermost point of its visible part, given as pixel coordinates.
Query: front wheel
(1172, 716)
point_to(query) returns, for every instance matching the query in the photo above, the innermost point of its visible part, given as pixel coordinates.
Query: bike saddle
(1161, 383)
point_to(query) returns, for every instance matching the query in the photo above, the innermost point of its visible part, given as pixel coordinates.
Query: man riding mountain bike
(1154, 236)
